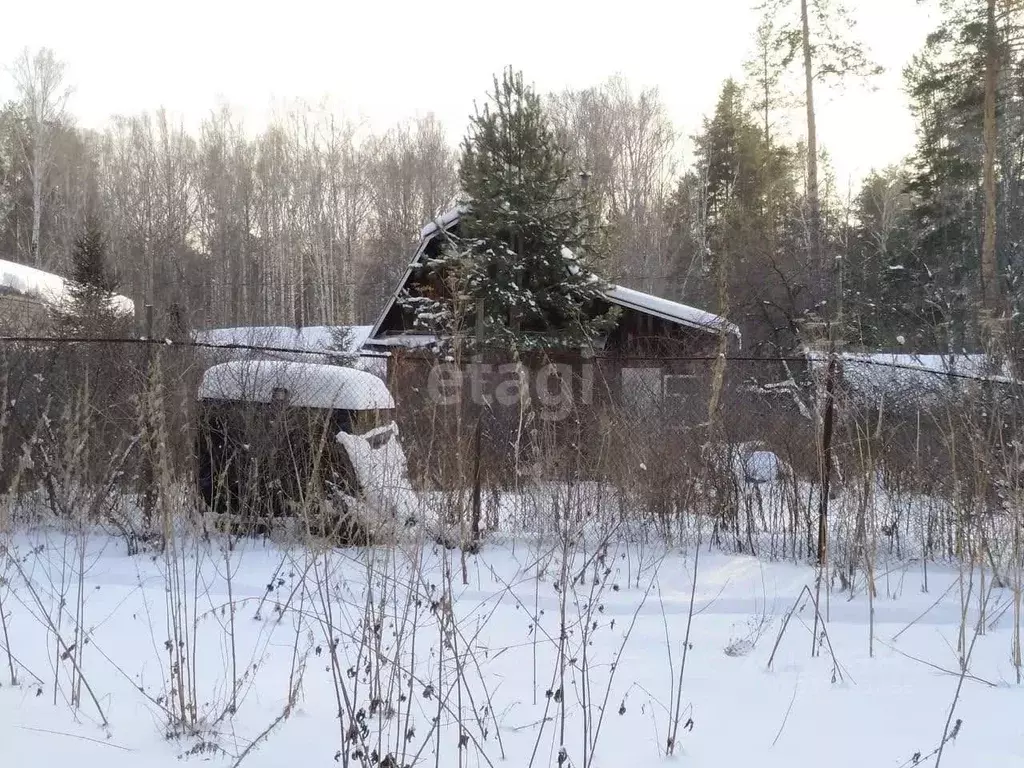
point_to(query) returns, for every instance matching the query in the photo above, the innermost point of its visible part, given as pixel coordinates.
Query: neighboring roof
(910, 378)
(311, 344)
(309, 385)
(46, 287)
(314, 339)
(629, 298)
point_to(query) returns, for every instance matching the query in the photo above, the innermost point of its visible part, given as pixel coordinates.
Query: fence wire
(923, 457)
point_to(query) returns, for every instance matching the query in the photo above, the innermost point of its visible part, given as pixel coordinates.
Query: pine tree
(818, 35)
(881, 290)
(520, 275)
(732, 151)
(735, 203)
(89, 308)
(945, 84)
(949, 87)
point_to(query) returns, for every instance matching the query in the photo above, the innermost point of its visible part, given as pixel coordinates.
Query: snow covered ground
(419, 662)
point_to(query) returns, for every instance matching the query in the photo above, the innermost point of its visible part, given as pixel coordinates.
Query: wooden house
(659, 354)
(657, 343)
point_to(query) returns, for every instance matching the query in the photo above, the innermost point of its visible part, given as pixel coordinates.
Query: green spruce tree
(520, 275)
(89, 308)
(342, 348)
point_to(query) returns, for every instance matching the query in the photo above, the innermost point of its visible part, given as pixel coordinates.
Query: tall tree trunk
(38, 80)
(813, 203)
(989, 267)
(37, 203)
(768, 169)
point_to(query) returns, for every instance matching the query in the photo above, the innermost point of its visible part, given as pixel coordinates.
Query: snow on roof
(309, 385)
(311, 344)
(407, 340)
(909, 377)
(46, 286)
(624, 297)
(310, 339)
(443, 221)
(670, 310)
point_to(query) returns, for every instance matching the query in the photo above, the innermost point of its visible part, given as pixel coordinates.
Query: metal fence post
(826, 453)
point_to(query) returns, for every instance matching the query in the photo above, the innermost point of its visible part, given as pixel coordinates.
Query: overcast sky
(385, 60)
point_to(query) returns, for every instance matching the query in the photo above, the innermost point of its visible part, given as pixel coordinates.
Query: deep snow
(880, 712)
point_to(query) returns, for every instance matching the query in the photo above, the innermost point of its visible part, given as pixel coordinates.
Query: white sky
(392, 59)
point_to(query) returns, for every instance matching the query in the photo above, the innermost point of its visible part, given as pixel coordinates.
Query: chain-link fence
(795, 457)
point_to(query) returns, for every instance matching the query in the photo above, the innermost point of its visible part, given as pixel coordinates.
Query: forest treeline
(313, 218)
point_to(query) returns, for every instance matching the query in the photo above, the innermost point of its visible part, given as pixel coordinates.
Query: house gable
(646, 321)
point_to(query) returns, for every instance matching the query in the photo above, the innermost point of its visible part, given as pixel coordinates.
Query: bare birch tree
(626, 143)
(411, 178)
(43, 96)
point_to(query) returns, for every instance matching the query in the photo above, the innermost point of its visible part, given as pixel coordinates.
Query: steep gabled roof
(441, 223)
(444, 221)
(628, 298)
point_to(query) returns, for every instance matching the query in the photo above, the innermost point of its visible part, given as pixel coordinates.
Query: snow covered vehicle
(315, 443)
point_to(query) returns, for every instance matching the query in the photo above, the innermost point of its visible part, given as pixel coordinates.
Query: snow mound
(761, 466)
(382, 470)
(751, 463)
